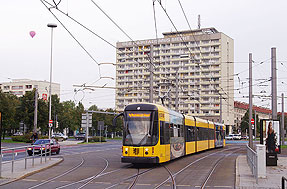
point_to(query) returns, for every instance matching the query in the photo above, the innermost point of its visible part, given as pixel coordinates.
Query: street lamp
(52, 26)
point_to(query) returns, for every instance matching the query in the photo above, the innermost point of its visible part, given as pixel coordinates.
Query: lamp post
(52, 26)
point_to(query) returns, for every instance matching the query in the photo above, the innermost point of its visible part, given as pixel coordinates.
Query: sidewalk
(19, 168)
(244, 178)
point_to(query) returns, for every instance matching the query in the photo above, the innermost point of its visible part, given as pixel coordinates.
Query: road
(99, 166)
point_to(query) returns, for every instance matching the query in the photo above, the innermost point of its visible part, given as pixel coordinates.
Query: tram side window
(171, 129)
(164, 133)
(180, 131)
(211, 134)
(202, 133)
(190, 133)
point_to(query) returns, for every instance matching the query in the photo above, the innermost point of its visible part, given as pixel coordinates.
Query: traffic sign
(50, 121)
(50, 124)
(252, 121)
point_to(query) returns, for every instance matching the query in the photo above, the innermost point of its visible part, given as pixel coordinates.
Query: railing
(283, 182)
(252, 162)
(12, 153)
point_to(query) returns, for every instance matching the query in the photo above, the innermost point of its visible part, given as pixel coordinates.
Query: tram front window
(140, 129)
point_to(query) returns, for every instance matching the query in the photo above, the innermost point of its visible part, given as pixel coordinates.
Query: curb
(31, 173)
(237, 178)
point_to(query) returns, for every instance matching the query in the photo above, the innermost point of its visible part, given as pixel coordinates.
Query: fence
(252, 162)
(283, 182)
(27, 152)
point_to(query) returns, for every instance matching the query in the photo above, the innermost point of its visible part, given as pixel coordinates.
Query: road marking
(184, 185)
(31, 180)
(143, 184)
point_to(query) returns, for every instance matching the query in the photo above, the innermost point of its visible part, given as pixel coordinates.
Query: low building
(240, 108)
(19, 87)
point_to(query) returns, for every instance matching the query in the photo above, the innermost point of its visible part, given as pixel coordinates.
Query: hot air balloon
(32, 33)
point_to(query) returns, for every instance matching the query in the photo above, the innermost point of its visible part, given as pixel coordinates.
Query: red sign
(252, 121)
(50, 121)
(44, 96)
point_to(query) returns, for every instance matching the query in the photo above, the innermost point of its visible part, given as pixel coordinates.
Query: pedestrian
(34, 137)
(271, 139)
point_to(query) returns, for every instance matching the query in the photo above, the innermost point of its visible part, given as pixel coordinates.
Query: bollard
(50, 151)
(13, 158)
(41, 161)
(33, 158)
(261, 160)
(26, 157)
(0, 162)
(45, 153)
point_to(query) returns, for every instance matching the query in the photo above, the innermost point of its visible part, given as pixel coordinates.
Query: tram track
(214, 167)
(61, 175)
(86, 180)
(173, 176)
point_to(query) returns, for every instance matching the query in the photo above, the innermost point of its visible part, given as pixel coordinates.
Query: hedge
(96, 139)
(27, 138)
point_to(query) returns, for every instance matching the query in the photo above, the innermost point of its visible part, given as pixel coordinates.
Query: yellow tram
(155, 134)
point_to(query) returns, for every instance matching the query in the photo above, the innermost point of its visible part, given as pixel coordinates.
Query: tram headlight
(146, 151)
(126, 150)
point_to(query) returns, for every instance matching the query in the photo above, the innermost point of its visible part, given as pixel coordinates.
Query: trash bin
(271, 159)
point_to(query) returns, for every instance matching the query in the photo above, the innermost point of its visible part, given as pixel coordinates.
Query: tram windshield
(140, 128)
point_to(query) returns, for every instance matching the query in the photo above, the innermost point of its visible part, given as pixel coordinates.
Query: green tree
(8, 107)
(245, 122)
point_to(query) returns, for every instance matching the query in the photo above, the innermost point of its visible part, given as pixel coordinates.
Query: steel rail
(87, 180)
(187, 166)
(214, 167)
(63, 174)
(130, 177)
(135, 180)
(171, 176)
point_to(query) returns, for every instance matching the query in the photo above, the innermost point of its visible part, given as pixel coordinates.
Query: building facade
(240, 108)
(191, 70)
(19, 87)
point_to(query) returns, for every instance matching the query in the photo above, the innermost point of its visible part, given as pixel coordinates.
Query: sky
(256, 26)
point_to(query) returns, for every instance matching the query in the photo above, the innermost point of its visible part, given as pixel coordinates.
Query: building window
(28, 86)
(17, 87)
(6, 87)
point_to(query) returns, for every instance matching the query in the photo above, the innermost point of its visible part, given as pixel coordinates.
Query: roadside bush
(22, 138)
(96, 139)
(27, 138)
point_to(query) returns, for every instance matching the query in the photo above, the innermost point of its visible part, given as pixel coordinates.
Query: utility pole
(151, 75)
(273, 83)
(255, 125)
(250, 101)
(282, 121)
(36, 111)
(176, 90)
(220, 111)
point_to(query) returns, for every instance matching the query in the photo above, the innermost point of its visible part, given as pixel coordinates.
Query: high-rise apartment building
(19, 87)
(192, 70)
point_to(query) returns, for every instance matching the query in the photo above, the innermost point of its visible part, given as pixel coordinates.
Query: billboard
(270, 135)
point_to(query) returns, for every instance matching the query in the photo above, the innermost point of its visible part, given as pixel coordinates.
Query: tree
(245, 122)
(8, 106)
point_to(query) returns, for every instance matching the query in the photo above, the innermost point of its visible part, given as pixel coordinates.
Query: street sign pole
(0, 144)
(87, 128)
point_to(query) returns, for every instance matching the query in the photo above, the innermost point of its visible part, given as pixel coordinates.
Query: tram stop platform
(20, 172)
(245, 179)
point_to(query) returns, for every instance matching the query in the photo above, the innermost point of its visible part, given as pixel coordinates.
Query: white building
(19, 87)
(200, 62)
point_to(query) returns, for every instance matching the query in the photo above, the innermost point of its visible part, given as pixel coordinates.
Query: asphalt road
(99, 166)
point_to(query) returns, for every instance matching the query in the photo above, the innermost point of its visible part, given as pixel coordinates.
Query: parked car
(80, 136)
(18, 134)
(236, 136)
(229, 137)
(60, 135)
(55, 147)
